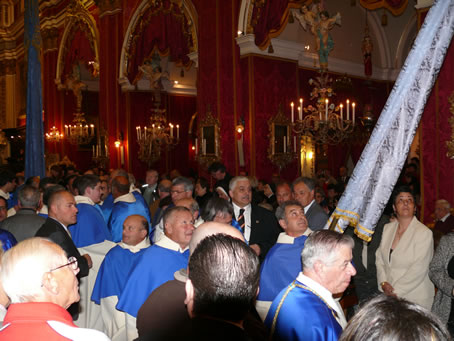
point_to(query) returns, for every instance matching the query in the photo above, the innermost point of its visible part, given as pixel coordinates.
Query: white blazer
(408, 269)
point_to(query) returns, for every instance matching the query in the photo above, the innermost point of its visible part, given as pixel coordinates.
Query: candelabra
(54, 135)
(324, 122)
(157, 135)
(79, 132)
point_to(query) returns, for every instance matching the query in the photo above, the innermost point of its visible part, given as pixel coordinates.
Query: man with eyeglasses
(157, 264)
(41, 283)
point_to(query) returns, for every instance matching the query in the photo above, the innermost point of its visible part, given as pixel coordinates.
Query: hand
(256, 249)
(267, 191)
(388, 289)
(88, 258)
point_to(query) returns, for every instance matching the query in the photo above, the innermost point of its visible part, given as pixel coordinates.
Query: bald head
(135, 229)
(210, 228)
(120, 186)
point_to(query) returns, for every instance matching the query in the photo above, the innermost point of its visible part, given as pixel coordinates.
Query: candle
(348, 109)
(285, 145)
(292, 105)
(171, 130)
(93, 151)
(301, 109)
(178, 132)
(294, 144)
(137, 131)
(66, 129)
(122, 155)
(196, 147)
(326, 109)
(342, 111)
(353, 106)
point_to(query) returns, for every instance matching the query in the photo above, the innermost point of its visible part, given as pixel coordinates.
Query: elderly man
(258, 225)
(150, 188)
(41, 282)
(444, 219)
(304, 192)
(113, 274)
(91, 227)
(306, 310)
(125, 204)
(181, 188)
(62, 213)
(26, 222)
(284, 258)
(157, 264)
(221, 289)
(283, 192)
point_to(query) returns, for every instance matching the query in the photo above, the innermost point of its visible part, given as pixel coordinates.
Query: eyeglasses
(176, 192)
(72, 262)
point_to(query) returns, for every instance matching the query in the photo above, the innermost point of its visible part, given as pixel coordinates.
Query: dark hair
(216, 166)
(85, 181)
(390, 318)
(120, 187)
(309, 182)
(30, 180)
(280, 210)
(214, 206)
(46, 181)
(6, 176)
(55, 195)
(203, 182)
(29, 196)
(225, 274)
(402, 189)
(51, 190)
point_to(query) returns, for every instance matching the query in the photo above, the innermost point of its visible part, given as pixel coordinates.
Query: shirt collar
(168, 243)
(4, 195)
(66, 229)
(80, 199)
(445, 217)
(128, 197)
(309, 206)
(238, 208)
(135, 248)
(284, 238)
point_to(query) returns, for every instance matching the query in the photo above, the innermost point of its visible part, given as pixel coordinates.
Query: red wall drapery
(79, 50)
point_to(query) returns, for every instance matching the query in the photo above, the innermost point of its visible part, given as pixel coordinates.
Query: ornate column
(7, 93)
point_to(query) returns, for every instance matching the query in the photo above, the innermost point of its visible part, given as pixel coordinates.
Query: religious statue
(152, 70)
(367, 48)
(320, 24)
(73, 82)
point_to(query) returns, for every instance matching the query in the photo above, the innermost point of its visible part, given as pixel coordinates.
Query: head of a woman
(404, 202)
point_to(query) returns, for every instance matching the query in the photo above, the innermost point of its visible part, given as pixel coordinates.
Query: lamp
(79, 132)
(54, 135)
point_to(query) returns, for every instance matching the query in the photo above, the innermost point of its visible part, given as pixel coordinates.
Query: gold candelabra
(54, 135)
(79, 132)
(158, 134)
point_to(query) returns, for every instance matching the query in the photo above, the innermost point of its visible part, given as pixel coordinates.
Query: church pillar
(8, 89)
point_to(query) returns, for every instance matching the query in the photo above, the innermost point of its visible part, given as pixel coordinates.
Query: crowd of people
(99, 256)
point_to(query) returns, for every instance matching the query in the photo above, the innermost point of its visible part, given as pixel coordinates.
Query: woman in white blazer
(405, 252)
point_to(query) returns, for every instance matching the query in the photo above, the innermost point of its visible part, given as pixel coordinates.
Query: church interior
(179, 84)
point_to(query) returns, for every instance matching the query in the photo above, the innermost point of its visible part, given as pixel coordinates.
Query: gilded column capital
(50, 39)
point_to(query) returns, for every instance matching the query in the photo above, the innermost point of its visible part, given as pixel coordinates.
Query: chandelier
(79, 132)
(54, 135)
(157, 135)
(325, 123)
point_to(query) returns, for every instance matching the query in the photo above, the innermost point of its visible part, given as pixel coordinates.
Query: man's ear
(50, 283)
(319, 268)
(283, 224)
(189, 301)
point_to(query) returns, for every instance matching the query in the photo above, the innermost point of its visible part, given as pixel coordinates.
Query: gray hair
(187, 184)
(170, 212)
(280, 211)
(323, 246)
(234, 181)
(216, 206)
(444, 202)
(24, 265)
(29, 196)
(309, 182)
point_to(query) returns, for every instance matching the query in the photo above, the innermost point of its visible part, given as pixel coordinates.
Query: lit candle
(145, 133)
(348, 109)
(294, 144)
(301, 109)
(137, 131)
(178, 132)
(342, 111)
(66, 129)
(285, 145)
(292, 105)
(171, 129)
(326, 109)
(92, 129)
(353, 106)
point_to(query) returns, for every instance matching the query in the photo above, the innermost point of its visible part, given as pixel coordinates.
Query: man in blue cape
(283, 262)
(306, 309)
(157, 264)
(91, 227)
(113, 274)
(125, 204)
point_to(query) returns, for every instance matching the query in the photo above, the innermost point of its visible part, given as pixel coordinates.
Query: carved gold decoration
(50, 39)
(208, 142)
(108, 6)
(450, 144)
(280, 148)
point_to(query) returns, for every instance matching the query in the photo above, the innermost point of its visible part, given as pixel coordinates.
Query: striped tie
(241, 219)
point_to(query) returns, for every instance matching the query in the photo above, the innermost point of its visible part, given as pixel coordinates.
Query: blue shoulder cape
(155, 267)
(113, 273)
(107, 206)
(284, 260)
(302, 316)
(90, 228)
(7, 239)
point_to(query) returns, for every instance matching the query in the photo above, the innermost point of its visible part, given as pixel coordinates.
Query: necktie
(241, 219)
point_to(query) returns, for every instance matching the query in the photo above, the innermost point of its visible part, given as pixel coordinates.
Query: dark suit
(446, 226)
(264, 229)
(316, 217)
(23, 224)
(53, 230)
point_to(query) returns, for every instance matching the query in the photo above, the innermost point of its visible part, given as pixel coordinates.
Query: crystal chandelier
(79, 132)
(325, 123)
(54, 135)
(157, 135)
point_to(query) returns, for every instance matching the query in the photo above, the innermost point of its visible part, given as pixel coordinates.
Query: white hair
(234, 181)
(24, 266)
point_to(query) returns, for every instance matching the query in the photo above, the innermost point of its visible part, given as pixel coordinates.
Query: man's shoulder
(258, 210)
(49, 225)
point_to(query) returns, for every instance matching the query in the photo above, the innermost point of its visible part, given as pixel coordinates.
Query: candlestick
(292, 105)
(348, 109)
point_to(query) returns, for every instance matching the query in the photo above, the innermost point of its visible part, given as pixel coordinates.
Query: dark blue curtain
(34, 143)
